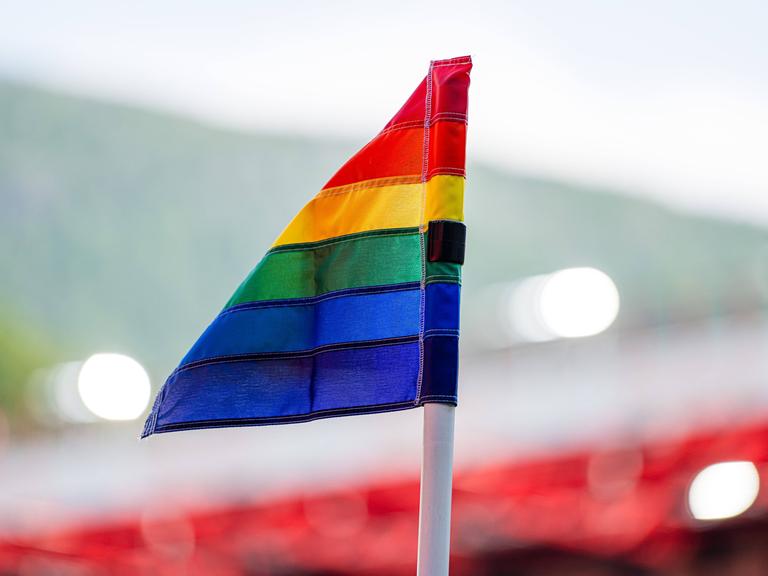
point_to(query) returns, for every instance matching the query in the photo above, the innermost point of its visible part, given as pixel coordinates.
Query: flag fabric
(355, 307)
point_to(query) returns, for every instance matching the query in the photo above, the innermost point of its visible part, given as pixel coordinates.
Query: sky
(664, 99)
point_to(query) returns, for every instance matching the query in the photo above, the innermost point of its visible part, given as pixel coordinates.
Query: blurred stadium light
(568, 303)
(114, 386)
(723, 490)
(60, 400)
(578, 302)
(103, 387)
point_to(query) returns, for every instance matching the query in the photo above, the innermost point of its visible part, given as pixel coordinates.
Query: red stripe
(398, 149)
(413, 110)
(450, 82)
(446, 149)
(391, 154)
(399, 153)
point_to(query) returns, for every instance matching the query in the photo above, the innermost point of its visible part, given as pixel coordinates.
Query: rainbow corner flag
(355, 307)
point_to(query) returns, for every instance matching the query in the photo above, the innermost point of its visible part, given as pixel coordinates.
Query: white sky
(659, 97)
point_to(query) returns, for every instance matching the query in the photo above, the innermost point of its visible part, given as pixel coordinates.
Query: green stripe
(371, 259)
(443, 272)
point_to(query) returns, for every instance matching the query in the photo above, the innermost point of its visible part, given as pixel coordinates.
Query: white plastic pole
(436, 481)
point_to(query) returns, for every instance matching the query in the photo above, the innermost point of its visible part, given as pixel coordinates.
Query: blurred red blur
(607, 512)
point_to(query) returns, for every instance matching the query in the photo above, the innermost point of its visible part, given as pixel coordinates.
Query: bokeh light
(569, 303)
(578, 302)
(114, 386)
(63, 395)
(524, 322)
(723, 490)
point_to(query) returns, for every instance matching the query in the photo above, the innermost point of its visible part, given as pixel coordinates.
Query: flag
(355, 307)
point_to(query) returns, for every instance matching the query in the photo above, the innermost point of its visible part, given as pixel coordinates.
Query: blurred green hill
(127, 230)
(23, 350)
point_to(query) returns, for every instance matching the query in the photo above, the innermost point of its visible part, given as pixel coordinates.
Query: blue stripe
(298, 361)
(442, 306)
(290, 326)
(441, 370)
(307, 326)
(349, 381)
(441, 344)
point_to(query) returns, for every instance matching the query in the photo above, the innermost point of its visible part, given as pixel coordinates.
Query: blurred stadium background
(614, 397)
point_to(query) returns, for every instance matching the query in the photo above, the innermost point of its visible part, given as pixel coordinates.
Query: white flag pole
(436, 482)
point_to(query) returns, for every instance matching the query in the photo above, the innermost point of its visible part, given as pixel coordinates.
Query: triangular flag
(355, 307)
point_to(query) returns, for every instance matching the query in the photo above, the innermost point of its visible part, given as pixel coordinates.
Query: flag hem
(293, 419)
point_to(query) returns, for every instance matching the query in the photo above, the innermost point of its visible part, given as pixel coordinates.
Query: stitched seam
(151, 424)
(375, 183)
(422, 214)
(402, 125)
(295, 355)
(308, 301)
(439, 117)
(432, 332)
(335, 192)
(443, 279)
(455, 60)
(344, 238)
(366, 185)
(451, 399)
(294, 418)
(452, 62)
(451, 220)
(447, 115)
(299, 246)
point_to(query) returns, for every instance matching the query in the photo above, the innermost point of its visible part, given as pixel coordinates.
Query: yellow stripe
(351, 209)
(445, 198)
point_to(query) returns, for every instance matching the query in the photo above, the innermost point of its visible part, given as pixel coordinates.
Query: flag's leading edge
(355, 308)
